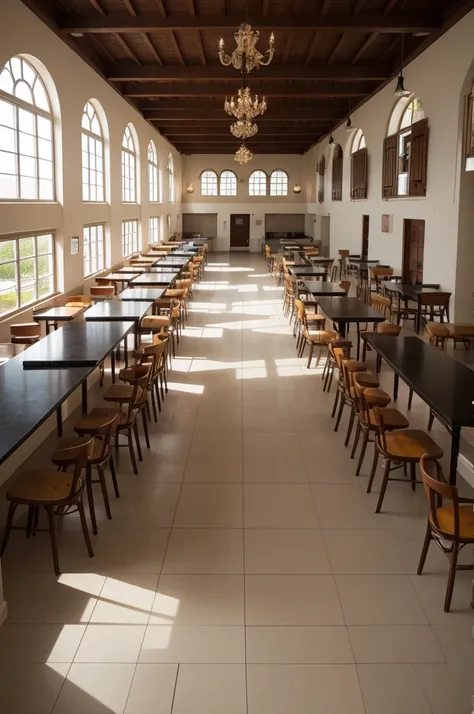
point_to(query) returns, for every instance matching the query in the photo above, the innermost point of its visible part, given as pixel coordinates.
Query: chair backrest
(140, 387)
(388, 328)
(103, 281)
(349, 368)
(344, 253)
(345, 285)
(300, 310)
(102, 292)
(437, 299)
(436, 490)
(74, 456)
(378, 272)
(78, 300)
(25, 329)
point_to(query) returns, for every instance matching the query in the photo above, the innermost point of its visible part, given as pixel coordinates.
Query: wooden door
(239, 230)
(325, 236)
(364, 253)
(413, 250)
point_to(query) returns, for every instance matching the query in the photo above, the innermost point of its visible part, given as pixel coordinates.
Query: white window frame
(258, 181)
(92, 154)
(209, 183)
(17, 260)
(358, 141)
(171, 189)
(94, 247)
(131, 242)
(278, 183)
(129, 166)
(154, 229)
(30, 155)
(153, 182)
(227, 183)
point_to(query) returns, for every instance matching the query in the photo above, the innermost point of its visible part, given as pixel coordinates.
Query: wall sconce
(190, 188)
(296, 188)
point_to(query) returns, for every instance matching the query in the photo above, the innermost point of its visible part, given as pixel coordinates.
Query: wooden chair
(102, 292)
(435, 305)
(155, 356)
(25, 333)
(103, 280)
(349, 394)
(56, 491)
(345, 285)
(343, 256)
(381, 304)
(303, 317)
(314, 336)
(78, 300)
(453, 525)
(382, 328)
(400, 448)
(289, 296)
(368, 398)
(341, 349)
(378, 274)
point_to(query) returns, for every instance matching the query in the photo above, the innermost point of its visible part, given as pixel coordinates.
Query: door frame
(246, 248)
(406, 270)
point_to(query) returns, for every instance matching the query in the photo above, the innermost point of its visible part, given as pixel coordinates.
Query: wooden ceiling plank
(336, 48)
(93, 39)
(358, 6)
(388, 50)
(161, 7)
(192, 9)
(127, 49)
(409, 22)
(97, 6)
(265, 7)
(371, 38)
(130, 7)
(125, 71)
(312, 48)
(200, 46)
(390, 5)
(325, 7)
(156, 89)
(288, 46)
(152, 49)
(176, 49)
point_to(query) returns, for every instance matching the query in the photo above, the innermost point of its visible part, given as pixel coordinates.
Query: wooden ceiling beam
(312, 48)
(358, 6)
(176, 49)
(325, 7)
(371, 38)
(393, 22)
(388, 50)
(192, 9)
(211, 131)
(125, 71)
(130, 8)
(152, 48)
(97, 6)
(265, 7)
(200, 46)
(337, 48)
(101, 48)
(127, 49)
(154, 89)
(196, 115)
(288, 45)
(161, 7)
(390, 5)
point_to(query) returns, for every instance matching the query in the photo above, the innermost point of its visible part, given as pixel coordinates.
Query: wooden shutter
(337, 174)
(418, 158)
(321, 170)
(389, 167)
(470, 127)
(359, 174)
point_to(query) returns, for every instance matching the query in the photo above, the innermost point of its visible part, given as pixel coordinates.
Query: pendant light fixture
(349, 126)
(331, 140)
(400, 90)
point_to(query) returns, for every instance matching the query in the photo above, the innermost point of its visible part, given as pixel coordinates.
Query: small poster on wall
(74, 245)
(386, 223)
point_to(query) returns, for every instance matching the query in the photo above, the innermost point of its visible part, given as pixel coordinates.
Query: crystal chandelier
(246, 56)
(243, 129)
(245, 106)
(243, 155)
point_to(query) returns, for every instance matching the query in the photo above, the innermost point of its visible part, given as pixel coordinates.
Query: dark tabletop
(349, 309)
(118, 310)
(185, 253)
(149, 279)
(308, 270)
(131, 269)
(28, 398)
(446, 385)
(118, 277)
(317, 259)
(366, 260)
(77, 344)
(139, 294)
(408, 290)
(173, 262)
(317, 287)
(59, 313)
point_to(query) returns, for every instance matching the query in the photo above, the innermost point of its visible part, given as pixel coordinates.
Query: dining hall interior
(236, 359)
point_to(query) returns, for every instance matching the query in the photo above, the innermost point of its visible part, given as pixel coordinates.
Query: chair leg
(410, 399)
(311, 349)
(54, 542)
(431, 420)
(90, 498)
(336, 401)
(362, 452)
(383, 488)
(153, 403)
(374, 469)
(424, 550)
(350, 426)
(339, 414)
(413, 476)
(145, 429)
(8, 527)
(105, 495)
(137, 440)
(114, 476)
(85, 531)
(451, 577)
(356, 440)
(132, 451)
(319, 356)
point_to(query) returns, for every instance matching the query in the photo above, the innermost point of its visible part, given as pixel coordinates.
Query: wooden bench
(439, 332)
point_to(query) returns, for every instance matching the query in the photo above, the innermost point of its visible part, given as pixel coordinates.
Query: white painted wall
(256, 206)
(438, 78)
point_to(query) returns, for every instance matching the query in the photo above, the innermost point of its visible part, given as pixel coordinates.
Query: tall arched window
(405, 151)
(92, 142)
(153, 188)
(26, 134)
(227, 183)
(359, 166)
(170, 169)
(470, 132)
(321, 170)
(129, 167)
(337, 167)
(279, 183)
(258, 183)
(208, 183)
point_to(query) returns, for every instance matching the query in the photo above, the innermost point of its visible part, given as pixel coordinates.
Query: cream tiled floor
(244, 570)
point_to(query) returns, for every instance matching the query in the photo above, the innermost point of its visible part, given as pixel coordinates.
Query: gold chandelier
(246, 56)
(243, 155)
(245, 106)
(243, 129)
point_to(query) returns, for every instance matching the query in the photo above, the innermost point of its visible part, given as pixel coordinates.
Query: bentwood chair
(339, 350)
(435, 305)
(315, 336)
(349, 394)
(58, 492)
(78, 300)
(399, 448)
(25, 333)
(102, 292)
(154, 354)
(450, 527)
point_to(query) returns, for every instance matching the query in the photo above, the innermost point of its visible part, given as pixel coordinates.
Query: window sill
(7, 316)
(96, 203)
(404, 198)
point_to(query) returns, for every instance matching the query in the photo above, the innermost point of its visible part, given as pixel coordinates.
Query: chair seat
(411, 444)
(392, 418)
(128, 374)
(36, 487)
(118, 393)
(367, 379)
(313, 317)
(95, 419)
(25, 340)
(95, 450)
(445, 516)
(155, 322)
(321, 337)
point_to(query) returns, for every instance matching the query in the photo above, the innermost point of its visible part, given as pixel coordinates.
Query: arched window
(337, 166)
(405, 151)
(26, 134)
(279, 183)
(170, 169)
(258, 183)
(228, 183)
(470, 132)
(208, 183)
(129, 167)
(358, 142)
(359, 166)
(153, 189)
(321, 170)
(92, 142)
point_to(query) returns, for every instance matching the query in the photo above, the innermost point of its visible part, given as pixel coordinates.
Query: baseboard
(3, 612)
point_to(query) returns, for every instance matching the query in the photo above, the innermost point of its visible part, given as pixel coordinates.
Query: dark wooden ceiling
(331, 55)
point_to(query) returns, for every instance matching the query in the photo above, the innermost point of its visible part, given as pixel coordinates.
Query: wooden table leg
(84, 396)
(453, 460)
(395, 386)
(112, 365)
(59, 420)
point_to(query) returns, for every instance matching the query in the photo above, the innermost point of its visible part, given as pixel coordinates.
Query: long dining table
(346, 310)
